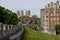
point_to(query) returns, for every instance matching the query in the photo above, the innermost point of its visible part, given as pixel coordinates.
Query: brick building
(50, 16)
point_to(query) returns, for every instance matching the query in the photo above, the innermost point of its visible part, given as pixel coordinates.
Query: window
(51, 14)
(54, 19)
(54, 14)
(54, 11)
(46, 20)
(46, 16)
(51, 19)
(57, 14)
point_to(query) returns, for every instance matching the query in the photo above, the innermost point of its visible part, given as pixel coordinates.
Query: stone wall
(11, 31)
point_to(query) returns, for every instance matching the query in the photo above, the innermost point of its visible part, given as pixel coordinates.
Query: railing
(11, 31)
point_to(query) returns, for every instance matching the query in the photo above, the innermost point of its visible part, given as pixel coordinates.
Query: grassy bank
(31, 34)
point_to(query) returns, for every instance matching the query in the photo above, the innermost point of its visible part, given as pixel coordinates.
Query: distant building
(33, 21)
(50, 16)
(20, 13)
(28, 13)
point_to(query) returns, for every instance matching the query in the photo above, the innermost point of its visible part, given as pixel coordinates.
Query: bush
(57, 26)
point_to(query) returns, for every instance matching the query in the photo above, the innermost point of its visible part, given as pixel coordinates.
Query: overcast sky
(33, 5)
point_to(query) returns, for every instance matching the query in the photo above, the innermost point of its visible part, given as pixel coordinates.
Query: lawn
(30, 34)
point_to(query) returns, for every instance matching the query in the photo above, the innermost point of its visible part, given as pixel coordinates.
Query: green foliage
(35, 22)
(57, 26)
(30, 34)
(7, 16)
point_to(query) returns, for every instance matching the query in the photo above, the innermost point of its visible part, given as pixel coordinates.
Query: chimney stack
(57, 2)
(48, 5)
(51, 4)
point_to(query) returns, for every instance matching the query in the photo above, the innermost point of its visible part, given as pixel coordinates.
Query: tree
(7, 16)
(14, 19)
(57, 26)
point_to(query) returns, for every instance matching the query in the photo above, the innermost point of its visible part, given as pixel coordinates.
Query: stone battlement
(9, 30)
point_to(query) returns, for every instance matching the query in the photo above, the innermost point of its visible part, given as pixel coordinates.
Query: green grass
(30, 34)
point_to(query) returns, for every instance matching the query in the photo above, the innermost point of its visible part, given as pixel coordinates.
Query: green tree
(57, 26)
(7, 16)
(14, 19)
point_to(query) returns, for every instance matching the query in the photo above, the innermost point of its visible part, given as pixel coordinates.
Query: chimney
(51, 4)
(48, 5)
(57, 2)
